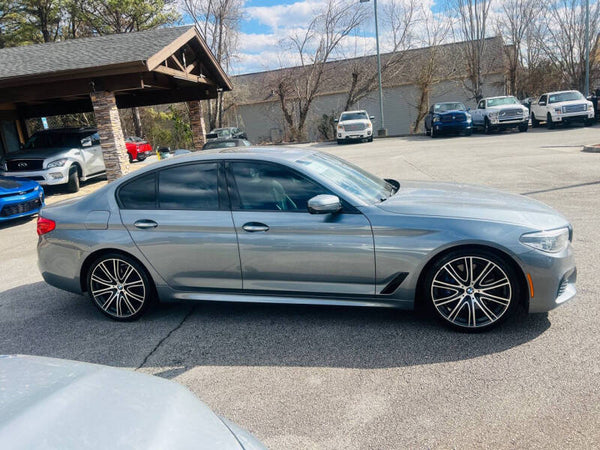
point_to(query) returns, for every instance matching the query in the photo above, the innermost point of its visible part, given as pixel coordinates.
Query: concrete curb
(594, 148)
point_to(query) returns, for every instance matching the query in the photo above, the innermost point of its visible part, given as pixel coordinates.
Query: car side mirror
(335, 120)
(469, 109)
(542, 103)
(372, 117)
(324, 204)
(86, 142)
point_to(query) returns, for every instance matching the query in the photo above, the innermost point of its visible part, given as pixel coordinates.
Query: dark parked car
(226, 133)
(19, 197)
(226, 143)
(448, 117)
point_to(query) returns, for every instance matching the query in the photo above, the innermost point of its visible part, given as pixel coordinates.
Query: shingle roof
(85, 53)
(450, 63)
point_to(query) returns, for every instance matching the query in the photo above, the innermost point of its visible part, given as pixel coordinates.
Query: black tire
(340, 142)
(432, 133)
(119, 302)
(427, 132)
(523, 128)
(468, 132)
(549, 123)
(487, 127)
(73, 183)
(534, 122)
(130, 158)
(453, 313)
(141, 158)
(588, 123)
(370, 139)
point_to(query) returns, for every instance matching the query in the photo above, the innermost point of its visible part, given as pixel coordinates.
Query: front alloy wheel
(472, 291)
(119, 287)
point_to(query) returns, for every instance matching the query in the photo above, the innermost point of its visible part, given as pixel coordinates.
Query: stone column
(111, 134)
(197, 124)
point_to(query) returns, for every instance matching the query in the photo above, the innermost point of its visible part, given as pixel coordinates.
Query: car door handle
(253, 227)
(144, 224)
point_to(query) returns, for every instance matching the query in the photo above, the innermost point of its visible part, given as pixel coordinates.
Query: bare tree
(399, 20)
(314, 47)
(516, 24)
(219, 24)
(563, 41)
(430, 65)
(472, 27)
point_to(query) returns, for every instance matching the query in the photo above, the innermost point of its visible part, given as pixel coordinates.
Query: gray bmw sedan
(299, 226)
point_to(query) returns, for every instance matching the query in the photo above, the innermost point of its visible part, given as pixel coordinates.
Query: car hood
(54, 403)
(571, 102)
(352, 122)
(41, 153)
(471, 202)
(10, 185)
(452, 111)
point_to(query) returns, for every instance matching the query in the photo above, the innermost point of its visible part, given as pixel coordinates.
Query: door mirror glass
(372, 117)
(324, 204)
(86, 142)
(542, 103)
(335, 120)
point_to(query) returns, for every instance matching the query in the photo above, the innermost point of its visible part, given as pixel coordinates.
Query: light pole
(587, 48)
(382, 131)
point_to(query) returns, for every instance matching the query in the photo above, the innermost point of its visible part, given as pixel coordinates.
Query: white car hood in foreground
(59, 404)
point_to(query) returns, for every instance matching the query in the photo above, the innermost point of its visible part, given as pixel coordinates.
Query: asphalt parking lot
(324, 377)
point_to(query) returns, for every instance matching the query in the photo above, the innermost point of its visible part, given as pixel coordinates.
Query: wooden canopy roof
(164, 65)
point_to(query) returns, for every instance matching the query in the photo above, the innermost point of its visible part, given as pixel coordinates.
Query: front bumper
(452, 127)
(553, 279)
(55, 175)
(510, 122)
(21, 205)
(573, 117)
(362, 134)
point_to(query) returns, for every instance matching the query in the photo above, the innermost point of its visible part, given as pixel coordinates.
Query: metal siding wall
(399, 108)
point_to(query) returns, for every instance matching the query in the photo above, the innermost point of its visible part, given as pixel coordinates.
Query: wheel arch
(78, 167)
(420, 288)
(104, 251)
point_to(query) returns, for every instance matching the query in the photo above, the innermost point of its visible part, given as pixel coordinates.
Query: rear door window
(139, 193)
(189, 186)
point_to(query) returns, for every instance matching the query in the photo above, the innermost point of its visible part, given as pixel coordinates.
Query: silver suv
(62, 156)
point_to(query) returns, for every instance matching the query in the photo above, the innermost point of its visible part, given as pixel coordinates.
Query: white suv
(563, 106)
(354, 125)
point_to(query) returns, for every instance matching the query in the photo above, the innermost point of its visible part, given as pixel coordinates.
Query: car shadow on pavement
(40, 320)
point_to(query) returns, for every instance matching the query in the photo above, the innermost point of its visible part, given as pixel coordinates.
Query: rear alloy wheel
(472, 290)
(119, 287)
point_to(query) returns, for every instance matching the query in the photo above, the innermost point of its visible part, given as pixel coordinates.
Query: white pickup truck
(561, 107)
(500, 113)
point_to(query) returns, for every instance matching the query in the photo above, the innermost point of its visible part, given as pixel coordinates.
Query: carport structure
(105, 73)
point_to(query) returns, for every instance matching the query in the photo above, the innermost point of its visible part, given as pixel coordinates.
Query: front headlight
(340, 127)
(493, 115)
(468, 117)
(369, 125)
(58, 163)
(557, 110)
(590, 106)
(552, 241)
(436, 118)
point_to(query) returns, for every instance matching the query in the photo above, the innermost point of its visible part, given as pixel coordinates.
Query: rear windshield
(220, 144)
(47, 139)
(354, 116)
(565, 97)
(502, 101)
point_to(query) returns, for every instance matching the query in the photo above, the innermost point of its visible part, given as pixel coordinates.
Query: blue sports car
(19, 197)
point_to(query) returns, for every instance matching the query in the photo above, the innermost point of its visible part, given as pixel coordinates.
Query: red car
(137, 148)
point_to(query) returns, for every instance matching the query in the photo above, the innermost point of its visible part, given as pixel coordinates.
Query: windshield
(565, 97)
(502, 101)
(222, 132)
(220, 144)
(348, 177)
(443, 107)
(354, 116)
(50, 139)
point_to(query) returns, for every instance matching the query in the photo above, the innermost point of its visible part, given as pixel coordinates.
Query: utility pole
(382, 130)
(587, 48)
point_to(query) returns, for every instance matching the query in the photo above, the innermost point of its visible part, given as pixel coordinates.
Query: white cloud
(285, 16)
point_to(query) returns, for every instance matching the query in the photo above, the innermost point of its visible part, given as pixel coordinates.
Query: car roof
(499, 96)
(355, 111)
(69, 130)
(562, 92)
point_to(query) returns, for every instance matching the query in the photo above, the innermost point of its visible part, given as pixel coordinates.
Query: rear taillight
(45, 225)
